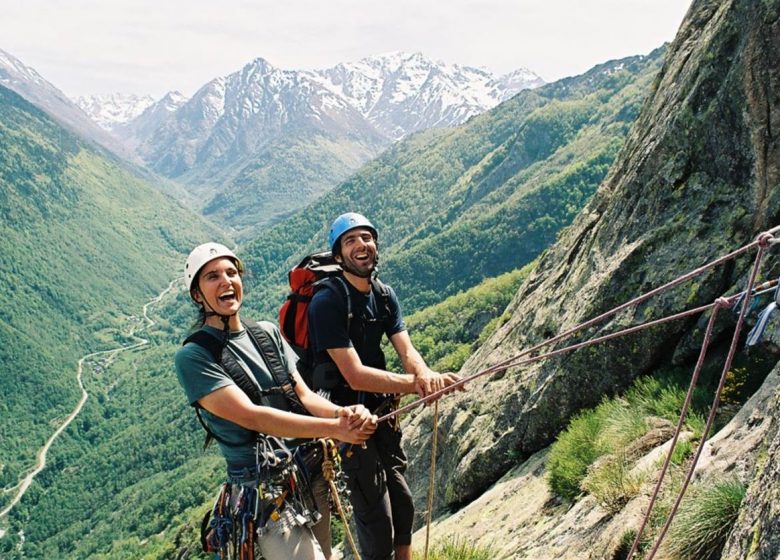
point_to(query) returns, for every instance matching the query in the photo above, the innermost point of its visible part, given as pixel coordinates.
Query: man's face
(358, 252)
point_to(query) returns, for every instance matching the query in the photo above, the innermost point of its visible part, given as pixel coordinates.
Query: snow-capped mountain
(114, 108)
(260, 142)
(233, 117)
(28, 83)
(149, 120)
(401, 93)
(383, 98)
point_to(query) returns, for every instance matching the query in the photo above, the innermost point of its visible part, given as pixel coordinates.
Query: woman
(273, 402)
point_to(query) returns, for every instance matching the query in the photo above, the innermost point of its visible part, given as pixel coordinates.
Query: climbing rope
(432, 476)
(329, 452)
(515, 361)
(762, 242)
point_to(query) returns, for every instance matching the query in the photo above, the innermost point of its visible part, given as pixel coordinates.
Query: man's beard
(347, 266)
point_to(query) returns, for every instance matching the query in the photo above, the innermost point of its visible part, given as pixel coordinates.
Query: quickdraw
(217, 525)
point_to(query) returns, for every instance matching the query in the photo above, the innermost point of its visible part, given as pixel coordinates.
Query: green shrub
(608, 430)
(575, 450)
(704, 520)
(457, 549)
(682, 451)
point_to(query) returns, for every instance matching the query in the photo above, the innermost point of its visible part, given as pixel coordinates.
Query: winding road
(41, 457)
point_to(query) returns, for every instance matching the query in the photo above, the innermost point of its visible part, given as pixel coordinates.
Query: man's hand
(452, 378)
(430, 382)
(427, 382)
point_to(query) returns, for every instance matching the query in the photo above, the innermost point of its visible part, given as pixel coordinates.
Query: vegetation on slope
(454, 207)
(85, 242)
(447, 333)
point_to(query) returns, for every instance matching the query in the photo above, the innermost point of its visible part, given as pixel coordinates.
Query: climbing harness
(762, 242)
(263, 493)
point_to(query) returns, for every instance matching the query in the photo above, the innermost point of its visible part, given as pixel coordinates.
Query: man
(238, 422)
(345, 332)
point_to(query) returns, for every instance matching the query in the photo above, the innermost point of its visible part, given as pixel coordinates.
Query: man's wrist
(337, 412)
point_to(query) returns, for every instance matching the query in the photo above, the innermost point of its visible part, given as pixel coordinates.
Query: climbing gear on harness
(245, 513)
(270, 352)
(203, 254)
(264, 492)
(217, 524)
(346, 222)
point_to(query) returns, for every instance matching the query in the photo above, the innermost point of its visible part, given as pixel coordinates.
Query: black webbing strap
(270, 352)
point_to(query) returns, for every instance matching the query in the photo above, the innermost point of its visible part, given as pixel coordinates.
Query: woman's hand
(356, 423)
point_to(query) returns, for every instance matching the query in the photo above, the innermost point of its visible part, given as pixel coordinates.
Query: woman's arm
(232, 404)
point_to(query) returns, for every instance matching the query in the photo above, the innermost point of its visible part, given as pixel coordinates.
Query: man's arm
(364, 378)
(426, 380)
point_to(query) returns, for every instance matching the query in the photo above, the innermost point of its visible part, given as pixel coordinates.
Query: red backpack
(304, 279)
(316, 271)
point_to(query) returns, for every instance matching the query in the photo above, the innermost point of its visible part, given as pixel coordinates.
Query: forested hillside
(697, 178)
(85, 243)
(454, 207)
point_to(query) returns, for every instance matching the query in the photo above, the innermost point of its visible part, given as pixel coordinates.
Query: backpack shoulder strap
(207, 341)
(271, 354)
(381, 288)
(338, 285)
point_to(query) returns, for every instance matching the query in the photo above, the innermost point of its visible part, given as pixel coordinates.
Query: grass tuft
(455, 548)
(704, 520)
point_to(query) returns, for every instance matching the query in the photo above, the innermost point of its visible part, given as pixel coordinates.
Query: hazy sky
(153, 46)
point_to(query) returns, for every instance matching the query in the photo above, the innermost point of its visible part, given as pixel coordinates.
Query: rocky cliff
(697, 177)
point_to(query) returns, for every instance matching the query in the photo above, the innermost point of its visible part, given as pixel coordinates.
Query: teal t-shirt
(199, 375)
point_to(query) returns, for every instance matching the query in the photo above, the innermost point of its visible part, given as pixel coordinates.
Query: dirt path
(22, 487)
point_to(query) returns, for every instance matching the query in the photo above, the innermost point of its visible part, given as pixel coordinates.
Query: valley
(510, 215)
(101, 359)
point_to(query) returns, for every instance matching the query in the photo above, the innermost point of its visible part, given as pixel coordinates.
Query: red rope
(681, 421)
(513, 361)
(763, 244)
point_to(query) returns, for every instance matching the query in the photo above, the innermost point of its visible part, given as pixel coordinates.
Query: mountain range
(611, 183)
(263, 141)
(28, 83)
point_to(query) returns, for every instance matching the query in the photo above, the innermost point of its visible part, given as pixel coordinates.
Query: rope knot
(765, 239)
(722, 302)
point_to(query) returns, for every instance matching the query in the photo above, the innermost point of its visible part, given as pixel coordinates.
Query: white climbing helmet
(203, 254)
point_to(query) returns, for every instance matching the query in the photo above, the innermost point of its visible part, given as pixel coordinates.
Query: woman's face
(219, 287)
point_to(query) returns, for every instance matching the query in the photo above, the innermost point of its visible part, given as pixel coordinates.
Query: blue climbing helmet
(345, 223)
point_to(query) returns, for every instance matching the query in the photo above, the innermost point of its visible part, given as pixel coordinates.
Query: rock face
(756, 535)
(697, 177)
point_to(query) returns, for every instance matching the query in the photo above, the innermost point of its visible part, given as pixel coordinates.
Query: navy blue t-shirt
(372, 317)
